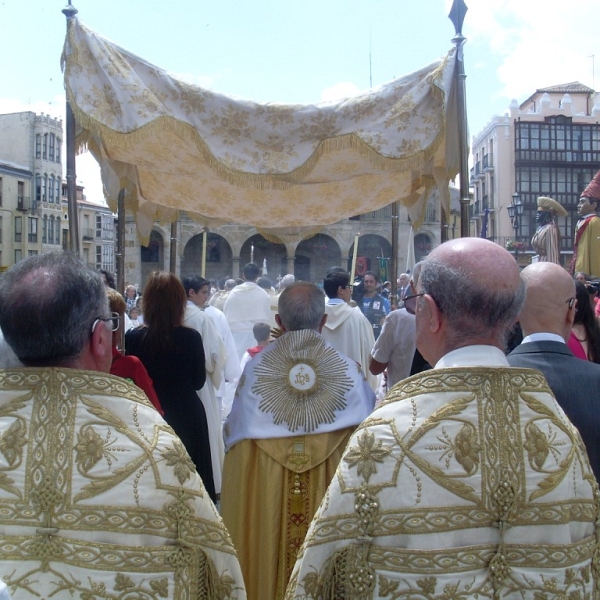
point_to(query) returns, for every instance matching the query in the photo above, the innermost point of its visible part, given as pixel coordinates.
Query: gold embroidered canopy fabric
(175, 146)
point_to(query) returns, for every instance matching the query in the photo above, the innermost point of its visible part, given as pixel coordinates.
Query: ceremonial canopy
(174, 146)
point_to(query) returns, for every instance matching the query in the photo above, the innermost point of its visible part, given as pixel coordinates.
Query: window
(38, 145)
(51, 148)
(98, 257)
(0, 229)
(58, 189)
(38, 188)
(98, 226)
(18, 228)
(32, 230)
(45, 146)
(57, 230)
(21, 195)
(51, 230)
(18, 255)
(58, 149)
(32, 252)
(51, 189)
(0, 191)
(44, 229)
(45, 188)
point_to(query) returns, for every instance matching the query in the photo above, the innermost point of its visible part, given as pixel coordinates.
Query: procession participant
(586, 245)
(546, 239)
(546, 320)
(374, 306)
(197, 292)
(246, 304)
(295, 408)
(99, 498)
(346, 328)
(469, 481)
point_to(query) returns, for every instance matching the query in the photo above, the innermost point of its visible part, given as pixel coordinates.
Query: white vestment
(468, 482)
(350, 333)
(232, 370)
(246, 305)
(98, 497)
(214, 354)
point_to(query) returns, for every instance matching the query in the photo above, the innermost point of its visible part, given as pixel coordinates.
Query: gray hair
(471, 309)
(301, 306)
(286, 281)
(48, 304)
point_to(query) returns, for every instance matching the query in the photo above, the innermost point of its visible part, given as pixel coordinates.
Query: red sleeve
(131, 367)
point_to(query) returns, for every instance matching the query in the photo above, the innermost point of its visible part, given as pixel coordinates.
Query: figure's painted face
(585, 207)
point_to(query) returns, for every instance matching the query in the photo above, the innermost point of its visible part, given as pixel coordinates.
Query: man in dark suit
(546, 320)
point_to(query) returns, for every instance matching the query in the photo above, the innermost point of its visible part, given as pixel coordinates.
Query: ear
(570, 318)
(279, 323)
(323, 321)
(101, 345)
(435, 316)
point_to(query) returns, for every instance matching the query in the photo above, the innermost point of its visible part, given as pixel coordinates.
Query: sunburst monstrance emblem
(302, 381)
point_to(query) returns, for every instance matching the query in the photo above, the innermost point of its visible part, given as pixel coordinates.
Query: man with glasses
(468, 481)
(98, 495)
(546, 320)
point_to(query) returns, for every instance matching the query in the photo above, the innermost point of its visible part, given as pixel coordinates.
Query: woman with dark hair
(174, 358)
(584, 340)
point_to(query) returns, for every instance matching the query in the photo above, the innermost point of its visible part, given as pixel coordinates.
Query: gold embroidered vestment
(465, 483)
(98, 498)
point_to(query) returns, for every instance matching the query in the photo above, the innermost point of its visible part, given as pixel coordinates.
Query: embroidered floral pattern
(366, 454)
(177, 457)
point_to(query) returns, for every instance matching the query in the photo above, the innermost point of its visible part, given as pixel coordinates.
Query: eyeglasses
(410, 303)
(570, 302)
(114, 319)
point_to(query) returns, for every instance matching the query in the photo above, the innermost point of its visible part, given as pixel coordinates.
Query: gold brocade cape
(98, 497)
(466, 483)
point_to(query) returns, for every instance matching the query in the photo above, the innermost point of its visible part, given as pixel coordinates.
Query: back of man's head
(251, 272)
(265, 283)
(333, 281)
(48, 304)
(549, 292)
(301, 306)
(476, 288)
(194, 282)
(230, 284)
(261, 332)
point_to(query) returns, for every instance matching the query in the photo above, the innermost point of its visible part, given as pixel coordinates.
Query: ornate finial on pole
(457, 16)
(69, 11)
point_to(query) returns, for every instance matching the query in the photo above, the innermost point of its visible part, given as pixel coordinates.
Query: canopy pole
(354, 255)
(74, 245)
(173, 248)
(394, 259)
(457, 16)
(120, 256)
(204, 239)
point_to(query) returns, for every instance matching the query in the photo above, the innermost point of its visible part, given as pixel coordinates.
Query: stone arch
(153, 255)
(258, 249)
(423, 246)
(219, 257)
(371, 247)
(315, 255)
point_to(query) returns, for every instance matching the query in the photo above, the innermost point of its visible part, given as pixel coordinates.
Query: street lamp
(515, 212)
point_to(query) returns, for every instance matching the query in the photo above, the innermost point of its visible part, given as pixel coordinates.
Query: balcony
(23, 203)
(488, 162)
(87, 235)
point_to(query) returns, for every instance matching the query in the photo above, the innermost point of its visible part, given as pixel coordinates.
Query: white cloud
(537, 43)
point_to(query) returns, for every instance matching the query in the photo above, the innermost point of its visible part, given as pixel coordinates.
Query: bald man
(546, 320)
(469, 477)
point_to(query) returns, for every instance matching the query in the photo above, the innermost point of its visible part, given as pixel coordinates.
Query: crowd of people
(309, 442)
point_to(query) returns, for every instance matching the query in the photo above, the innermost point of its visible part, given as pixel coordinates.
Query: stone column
(236, 273)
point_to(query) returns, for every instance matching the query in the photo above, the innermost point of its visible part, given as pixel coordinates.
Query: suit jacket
(575, 384)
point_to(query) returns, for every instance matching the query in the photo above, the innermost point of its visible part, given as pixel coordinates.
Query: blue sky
(306, 51)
